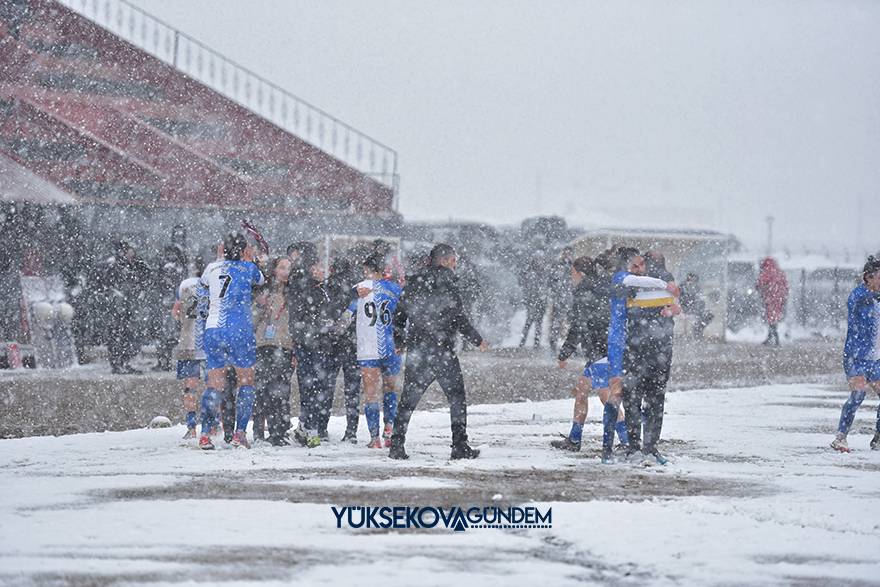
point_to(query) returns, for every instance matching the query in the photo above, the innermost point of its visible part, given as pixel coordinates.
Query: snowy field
(752, 495)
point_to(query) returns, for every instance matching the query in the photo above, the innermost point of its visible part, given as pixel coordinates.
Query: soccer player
(588, 328)
(639, 353)
(229, 334)
(190, 309)
(376, 354)
(861, 352)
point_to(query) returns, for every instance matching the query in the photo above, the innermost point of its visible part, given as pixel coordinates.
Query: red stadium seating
(109, 123)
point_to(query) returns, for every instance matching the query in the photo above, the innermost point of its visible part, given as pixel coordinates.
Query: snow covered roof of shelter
(18, 184)
(667, 233)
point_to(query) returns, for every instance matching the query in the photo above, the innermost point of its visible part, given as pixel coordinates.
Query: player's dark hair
(872, 265)
(234, 245)
(199, 265)
(604, 262)
(624, 256)
(584, 265)
(440, 251)
(309, 258)
(375, 262)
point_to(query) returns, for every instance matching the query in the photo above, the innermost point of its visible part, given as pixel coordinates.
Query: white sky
(692, 113)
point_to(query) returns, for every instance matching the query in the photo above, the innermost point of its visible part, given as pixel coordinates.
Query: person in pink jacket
(773, 287)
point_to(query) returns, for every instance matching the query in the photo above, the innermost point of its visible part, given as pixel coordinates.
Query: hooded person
(773, 287)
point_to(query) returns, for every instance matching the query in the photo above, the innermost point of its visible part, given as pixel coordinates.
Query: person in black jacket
(428, 318)
(343, 352)
(311, 324)
(124, 277)
(588, 328)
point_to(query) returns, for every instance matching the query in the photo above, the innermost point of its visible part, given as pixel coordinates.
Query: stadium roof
(18, 184)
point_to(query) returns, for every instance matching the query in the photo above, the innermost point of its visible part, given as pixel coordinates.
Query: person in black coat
(427, 321)
(311, 324)
(343, 350)
(124, 277)
(588, 319)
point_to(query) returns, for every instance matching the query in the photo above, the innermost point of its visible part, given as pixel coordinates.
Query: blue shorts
(226, 346)
(187, 368)
(870, 369)
(389, 365)
(598, 373)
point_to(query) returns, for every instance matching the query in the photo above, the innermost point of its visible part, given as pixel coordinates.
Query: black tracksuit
(311, 323)
(647, 361)
(343, 352)
(431, 314)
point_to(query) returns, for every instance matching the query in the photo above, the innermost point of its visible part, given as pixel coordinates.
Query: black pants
(534, 315)
(315, 391)
(344, 357)
(423, 367)
(122, 343)
(272, 404)
(644, 391)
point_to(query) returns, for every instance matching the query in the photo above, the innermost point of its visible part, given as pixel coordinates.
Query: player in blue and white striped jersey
(229, 334)
(377, 357)
(190, 310)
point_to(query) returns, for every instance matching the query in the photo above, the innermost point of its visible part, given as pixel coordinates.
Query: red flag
(252, 230)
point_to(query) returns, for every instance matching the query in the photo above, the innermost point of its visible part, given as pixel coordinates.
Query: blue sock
(371, 411)
(190, 419)
(577, 431)
(609, 419)
(244, 407)
(389, 407)
(622, 433)
(210, 405)
(848, 413)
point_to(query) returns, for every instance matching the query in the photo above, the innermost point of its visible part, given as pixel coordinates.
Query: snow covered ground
(752, 495)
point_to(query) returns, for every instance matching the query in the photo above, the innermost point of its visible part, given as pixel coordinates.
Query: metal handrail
(259, 95)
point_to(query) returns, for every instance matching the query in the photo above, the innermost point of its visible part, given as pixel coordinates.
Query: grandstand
(143, 125)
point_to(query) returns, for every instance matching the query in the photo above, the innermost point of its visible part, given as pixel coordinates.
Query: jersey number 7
(227, 279)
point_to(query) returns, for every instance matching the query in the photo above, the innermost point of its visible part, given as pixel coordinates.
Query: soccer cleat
(397, 452)
(566, 443)
(313, 441)
(239, 439)
(386, 435)
(463, 451)
(875, 442)
(205, 443)
(190, 434)
(839, 444)
(324, 435)
(656, 456)
(607, 457)
(350, 436)
(376, 442)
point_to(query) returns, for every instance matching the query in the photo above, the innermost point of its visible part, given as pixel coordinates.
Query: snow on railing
(243, 86)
